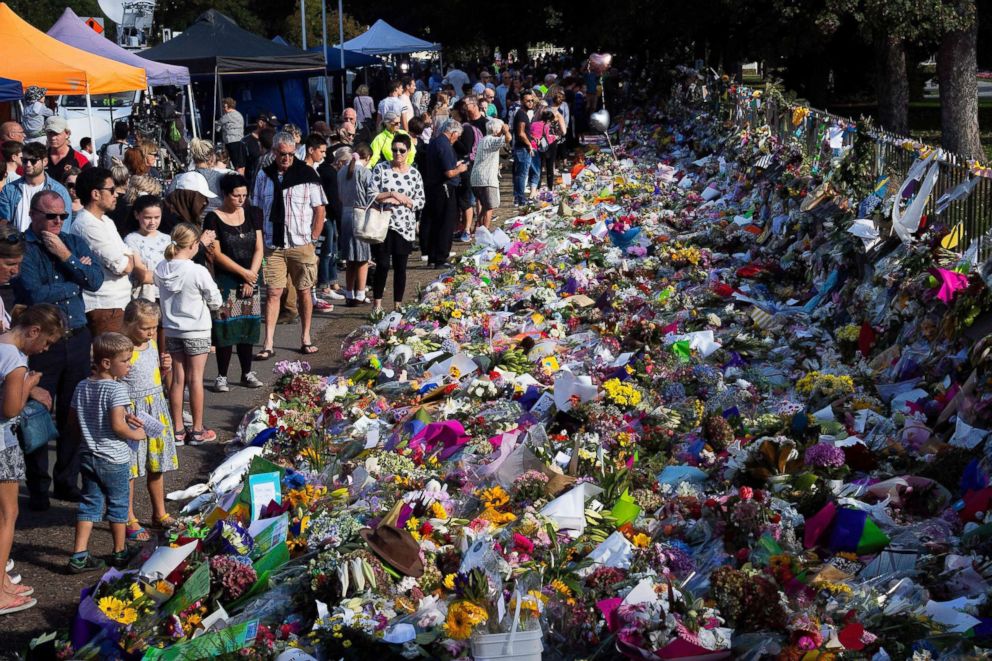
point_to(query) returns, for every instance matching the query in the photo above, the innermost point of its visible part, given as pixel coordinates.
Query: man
(292, 201)
(11, 131)
(408, 87)
(382, 144)
(489, 104)
(232, 131)
(15, 198)
(391, 103)
(349, 116)
(115, 149)
(522, 150)
(86, 147)
(501, 90)
(458, 79)
(253, 144)
(57, 268)
(442, 174)
(483, 83)
(105, 306)
(61, 156)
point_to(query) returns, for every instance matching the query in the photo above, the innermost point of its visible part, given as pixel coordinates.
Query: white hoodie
(187, 294)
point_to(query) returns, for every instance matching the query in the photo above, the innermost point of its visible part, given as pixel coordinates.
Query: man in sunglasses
(15, 198)
(57, 268)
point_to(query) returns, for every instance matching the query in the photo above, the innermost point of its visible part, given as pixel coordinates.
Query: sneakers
(334, 295)
(321, 305)
(121, 559)
(85, 564)
(250, 380)
(220, 384)
(465, 237)
(10, 565)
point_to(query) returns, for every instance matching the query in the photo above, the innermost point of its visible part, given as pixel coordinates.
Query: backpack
(477, 134)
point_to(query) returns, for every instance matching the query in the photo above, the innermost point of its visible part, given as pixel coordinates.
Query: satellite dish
(113, 9)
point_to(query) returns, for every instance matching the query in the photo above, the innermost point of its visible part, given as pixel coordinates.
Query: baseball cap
(194, 181)
(56, 124)
(390, 117)
(270, 119)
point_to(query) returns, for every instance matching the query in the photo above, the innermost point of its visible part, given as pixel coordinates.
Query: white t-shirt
(10, 359)
(390, 104)
(152, 251)
(406, 106)
(101, 235)
(24, 206)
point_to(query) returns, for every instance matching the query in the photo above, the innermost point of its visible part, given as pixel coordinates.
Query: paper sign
(566, 178)
(542, 407)
(568, 385)
(267, 533)
(216, 620)
(211, 645)
(264, 488)
(196, 587)
(153, 426)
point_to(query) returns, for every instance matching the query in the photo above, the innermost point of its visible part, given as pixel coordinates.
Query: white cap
(194, 181)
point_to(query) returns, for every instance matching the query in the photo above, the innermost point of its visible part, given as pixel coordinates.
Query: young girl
(32, 332)
(148, 242)
(156, 454)
(188, 293)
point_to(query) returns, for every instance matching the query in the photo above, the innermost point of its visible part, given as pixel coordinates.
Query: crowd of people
(123, 283)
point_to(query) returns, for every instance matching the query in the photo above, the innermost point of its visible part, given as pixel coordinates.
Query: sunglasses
(29, 161)
(282, 154)
(61, 217)
(400, 150)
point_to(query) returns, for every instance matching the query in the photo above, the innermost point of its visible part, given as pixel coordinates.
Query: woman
(485, 170)
(364, 107)
(399, 189)
(11, 151)
(554, 132)
(135, 161)
(70, 185)
(353, 188)
(237, 254)
(204, 158)
(136, 187)
(150, 151)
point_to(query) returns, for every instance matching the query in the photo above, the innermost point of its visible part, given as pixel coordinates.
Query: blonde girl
(156, 454)
(187, 294)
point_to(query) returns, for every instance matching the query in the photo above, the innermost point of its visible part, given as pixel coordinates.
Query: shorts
(296, 265)
(190, 346)
(11, 462)
(466, 200)
(488, 196)
(104, 485)
(109, 320)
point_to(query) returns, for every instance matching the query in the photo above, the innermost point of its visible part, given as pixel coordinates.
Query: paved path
(43, 541)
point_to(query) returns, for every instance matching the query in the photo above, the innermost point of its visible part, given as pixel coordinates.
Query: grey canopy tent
(383, 39)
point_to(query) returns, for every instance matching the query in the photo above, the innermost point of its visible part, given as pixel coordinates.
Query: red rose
(746, 493)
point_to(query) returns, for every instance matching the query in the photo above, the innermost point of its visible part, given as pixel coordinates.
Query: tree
(957, 66)
(291, 26)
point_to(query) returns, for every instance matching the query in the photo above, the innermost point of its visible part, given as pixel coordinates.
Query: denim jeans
(521, 168)
(104, 485)
(534, 172)
(327, 267)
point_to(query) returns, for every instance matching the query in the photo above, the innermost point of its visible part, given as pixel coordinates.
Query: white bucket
(518, 645)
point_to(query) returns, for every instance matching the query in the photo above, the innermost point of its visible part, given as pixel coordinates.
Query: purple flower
(824, 455)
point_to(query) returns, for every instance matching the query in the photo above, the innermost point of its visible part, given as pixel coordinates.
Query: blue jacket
(11, 194)
(47, 279)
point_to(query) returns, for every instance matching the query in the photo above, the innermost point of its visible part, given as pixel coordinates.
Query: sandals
(138, 534)
(163, 522)
(264, 354)
(309, 349)
(18, 604)
(200, 436)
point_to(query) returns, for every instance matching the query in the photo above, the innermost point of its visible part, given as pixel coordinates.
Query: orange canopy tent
(32, 57)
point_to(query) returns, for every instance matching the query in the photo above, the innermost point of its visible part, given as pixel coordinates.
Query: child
(148, 242)
(100, 408)
(32, 332)
(188, 293)
(157, 454)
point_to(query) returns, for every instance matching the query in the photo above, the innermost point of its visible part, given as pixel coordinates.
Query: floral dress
(156, 454)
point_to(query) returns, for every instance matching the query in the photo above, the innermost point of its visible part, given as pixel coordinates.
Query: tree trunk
(956, 69)
(892, 84)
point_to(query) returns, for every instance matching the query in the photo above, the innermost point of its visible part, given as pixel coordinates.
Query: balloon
(600, 62)
(599, 121)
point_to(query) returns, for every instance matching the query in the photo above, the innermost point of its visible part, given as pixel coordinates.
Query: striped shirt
(299, 202)
(93, 400)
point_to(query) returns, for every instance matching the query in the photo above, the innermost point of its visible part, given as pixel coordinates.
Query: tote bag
(371, 224)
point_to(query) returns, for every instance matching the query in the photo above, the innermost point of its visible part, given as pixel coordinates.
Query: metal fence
(973, 213)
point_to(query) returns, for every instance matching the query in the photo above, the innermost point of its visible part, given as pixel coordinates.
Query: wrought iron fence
(973, 213)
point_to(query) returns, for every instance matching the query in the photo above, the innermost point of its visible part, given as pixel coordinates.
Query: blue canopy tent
(383, 39)
(352, 59)
(10, 90)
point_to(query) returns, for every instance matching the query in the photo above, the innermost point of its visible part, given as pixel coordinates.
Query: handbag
(371, 223)
(35, 427)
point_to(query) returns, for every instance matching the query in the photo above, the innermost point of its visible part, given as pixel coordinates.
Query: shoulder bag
(371, 223)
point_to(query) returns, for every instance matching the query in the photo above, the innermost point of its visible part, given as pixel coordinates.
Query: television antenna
(133, 19)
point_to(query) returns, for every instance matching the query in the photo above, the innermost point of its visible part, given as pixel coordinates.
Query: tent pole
(89, 110)
(213, 108)
(327, 94)
(303, 22)
(344, 72)
(192, 109)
